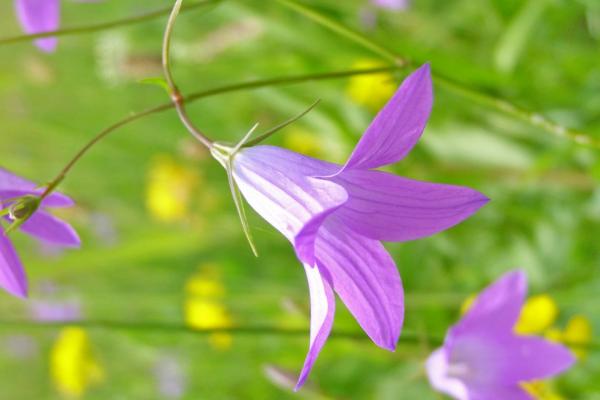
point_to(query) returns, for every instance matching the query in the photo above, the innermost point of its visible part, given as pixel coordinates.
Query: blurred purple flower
(40, 224)
(395, 5)
(170, 377)
(482, 358)
(46, 310)
(336, 216)
(38, 16)
(20, 347)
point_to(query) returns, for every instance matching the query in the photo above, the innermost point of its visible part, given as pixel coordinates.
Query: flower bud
(22, 209)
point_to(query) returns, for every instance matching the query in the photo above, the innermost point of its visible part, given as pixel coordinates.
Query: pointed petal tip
(20, 291)
(47, 45)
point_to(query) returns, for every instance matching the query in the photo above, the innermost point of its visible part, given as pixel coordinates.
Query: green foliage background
(544, 216)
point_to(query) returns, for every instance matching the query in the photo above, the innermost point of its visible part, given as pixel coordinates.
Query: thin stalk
(107, 25)
(170, 328)
(277, 128)
(497, 104)
(343, 30)
(176, 97)
(200, 95)
(251, 330)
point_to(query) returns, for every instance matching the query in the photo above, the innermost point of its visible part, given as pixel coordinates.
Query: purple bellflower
(483, 359)
(20, 206)
(335, 216)
(37, 16)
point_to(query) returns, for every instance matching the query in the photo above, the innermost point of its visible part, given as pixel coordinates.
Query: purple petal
(366, 278)
(398, 126)
(322, 309)
(499, 392)
(12, 274)
(533, 358)
(486, 361)
(395, 5)
(37, 16)
(51, 229)
(11, 182)
(54, 200)
(498, 307)
(387, 207)
(437, 372)
(278, 188)
(12, 186)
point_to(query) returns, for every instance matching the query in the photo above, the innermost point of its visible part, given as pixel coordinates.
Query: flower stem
(171, 328)
(176, 97)
(501, 105)
(107, 25)
(200, 95)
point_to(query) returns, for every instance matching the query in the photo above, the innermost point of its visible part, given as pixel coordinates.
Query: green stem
(531, 118)
(174, 328)
(107, 25)
(200, 95)
(176, 97)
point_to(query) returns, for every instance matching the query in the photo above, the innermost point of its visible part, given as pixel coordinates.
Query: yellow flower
(72, 364)
(372, 90)
(169, 189)
(303, 142)
(577, 335)
(203, 307)
(538, 315)
(467, 304)
(541, 391)
(199, 285)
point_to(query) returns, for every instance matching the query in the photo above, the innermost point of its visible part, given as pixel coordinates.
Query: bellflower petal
(12, 274)
(437, 368)
(322, 309)
(387, 207)
(284, 195)
(12, 186)
(37, 16)
(498, 306)
(534, 358)
(51, 229)
(37, 222)
(482, 358)
(335, 216)
(398, 126)
(366, 278)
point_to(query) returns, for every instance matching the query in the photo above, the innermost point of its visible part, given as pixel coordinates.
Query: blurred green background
(161, 236)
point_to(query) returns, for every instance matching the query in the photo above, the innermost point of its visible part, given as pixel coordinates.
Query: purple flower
(37, 16)
(16, 195)
(395, 5)
(335, 216)
(170, 377)
(482, 358)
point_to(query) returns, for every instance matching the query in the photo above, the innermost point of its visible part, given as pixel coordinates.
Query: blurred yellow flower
(72, 365)
(169, 188)
(538, 315)
(303, 142)
(372, 90)
(541, 391)
(576, 335)
(200, 286)
(467, 304)
(203, 307)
